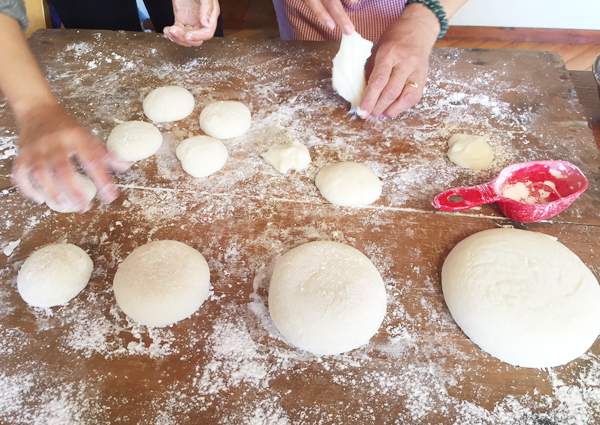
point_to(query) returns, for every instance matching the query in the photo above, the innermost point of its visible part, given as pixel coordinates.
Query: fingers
(42, 176)
(205, 13)
(410, 96)
(391, 91)
(67, 181)
(338, 13)
(317, 7)
(95, 161)
(380, 75)
(177, 35)
(22, 179)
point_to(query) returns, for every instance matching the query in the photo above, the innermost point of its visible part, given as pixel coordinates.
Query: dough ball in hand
(225, 119)
(134, 140)
(65, 206)
(201, 156)
(168, 103)
(522, 296)
(469, 151)
(288, 156)
(326, 297)
(54, 274)
(161, 283)
(348, 184)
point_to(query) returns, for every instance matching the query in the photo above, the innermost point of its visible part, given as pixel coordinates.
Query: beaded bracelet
(438, 11)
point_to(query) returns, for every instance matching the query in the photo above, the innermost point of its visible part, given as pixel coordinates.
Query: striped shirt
(370, 18)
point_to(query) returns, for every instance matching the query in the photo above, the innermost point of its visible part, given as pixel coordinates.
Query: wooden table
(86, 363)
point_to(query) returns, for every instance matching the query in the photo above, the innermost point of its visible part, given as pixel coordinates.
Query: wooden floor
(578, 57)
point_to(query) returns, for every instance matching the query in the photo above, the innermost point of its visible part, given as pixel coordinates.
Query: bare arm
(49, 138)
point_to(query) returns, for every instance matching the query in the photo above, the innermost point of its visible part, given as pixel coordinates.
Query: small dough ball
(161, 283)
(288, 156)
(168, 103)
(201, 156)
(65, 206)
(348, 184)
(522, 296)
(54, 274)
(225, 119)
(134, 140)
(326, 297)
(469, 151)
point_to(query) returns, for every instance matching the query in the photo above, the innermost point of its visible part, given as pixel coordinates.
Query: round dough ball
(201, 156)
(522, 296)
(168, 103)
(54, 274)
(288, 156)
(65, 206)
(225, 119)
(161, 283)
(469, 151)
(348, 184)
(326, 297)
(134, 140)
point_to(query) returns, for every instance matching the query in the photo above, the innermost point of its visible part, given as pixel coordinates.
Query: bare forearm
(21, 79)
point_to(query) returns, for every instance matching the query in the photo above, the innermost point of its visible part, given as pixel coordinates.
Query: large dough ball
(522, 296)
(134, 140)
(288, 156)
(65, 206)
(348, 184)
(469, 151)
(161, 283)
(168, 103)
(225, 119)
(54, 274)
(326, 297)
(201, 156)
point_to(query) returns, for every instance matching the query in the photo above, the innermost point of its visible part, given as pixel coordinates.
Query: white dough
(134, 140)
(470, 151)
(65, 206)
(201, 156)
(168, 103)
(348, 184)
(161, 283)
(348, 74)
(225, 119)
(288, 156)
(54, 274)
(326, 297)
(522, 296)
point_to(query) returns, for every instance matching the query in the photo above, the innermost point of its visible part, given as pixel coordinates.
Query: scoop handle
(463, 198)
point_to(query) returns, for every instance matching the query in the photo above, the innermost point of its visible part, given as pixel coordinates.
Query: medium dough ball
(201, 156)
(64, 206)
(326, 297)
(225, 119)
(134, 140)
(168, 103)
(288, 156)
(469, 151)
(522, 296)
(54, 274)
(348, 184)
(161, 283)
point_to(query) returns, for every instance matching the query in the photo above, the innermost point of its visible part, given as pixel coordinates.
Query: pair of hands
(397, 70)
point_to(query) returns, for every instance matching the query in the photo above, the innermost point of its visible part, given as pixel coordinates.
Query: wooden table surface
(86, 363)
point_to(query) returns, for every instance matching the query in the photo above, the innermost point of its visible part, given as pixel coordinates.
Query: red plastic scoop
(527, 192)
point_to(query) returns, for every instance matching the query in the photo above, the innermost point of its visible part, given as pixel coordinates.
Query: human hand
(397, 70)
(195, 22)
(332, 13)
(49, 140)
